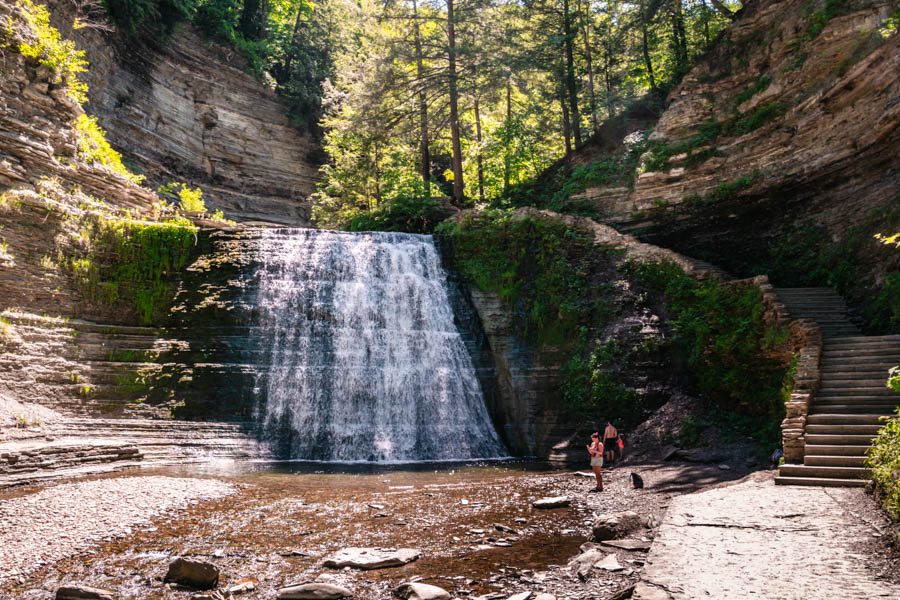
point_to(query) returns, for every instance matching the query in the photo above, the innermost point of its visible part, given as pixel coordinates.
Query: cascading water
(365, 362)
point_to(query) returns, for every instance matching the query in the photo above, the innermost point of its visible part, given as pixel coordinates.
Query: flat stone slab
(552, 502)
(313, 591)
(422, 591)
(371, 558)
(82, 592)
(783, 543)
(628, 544)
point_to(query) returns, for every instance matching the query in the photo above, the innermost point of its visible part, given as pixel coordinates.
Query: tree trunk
(590, 64)
(507, 137)
(570, 74)
(679, 37)
(479, 157)
(458, 189)
(424, 154)
(645, 46)
(566, 128)
(607, 67)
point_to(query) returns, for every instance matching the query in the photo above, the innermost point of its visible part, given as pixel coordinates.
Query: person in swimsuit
(610, 437)
(595, 449)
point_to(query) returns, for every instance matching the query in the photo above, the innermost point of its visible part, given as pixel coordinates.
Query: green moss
(538, 266)
(132, 261)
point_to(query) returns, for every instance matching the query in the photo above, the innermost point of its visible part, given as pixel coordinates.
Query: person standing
(595, 449)
(610, 438)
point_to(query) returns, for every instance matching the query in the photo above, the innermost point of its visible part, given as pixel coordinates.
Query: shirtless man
(610, 437)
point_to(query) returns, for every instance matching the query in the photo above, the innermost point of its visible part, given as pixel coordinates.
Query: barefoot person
(595, 448)
(610, 437)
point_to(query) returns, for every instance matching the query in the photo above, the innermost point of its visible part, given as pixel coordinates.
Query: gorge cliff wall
(782, 138)
(184, 109)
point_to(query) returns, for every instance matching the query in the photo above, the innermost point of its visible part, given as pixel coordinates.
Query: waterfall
(365, 362)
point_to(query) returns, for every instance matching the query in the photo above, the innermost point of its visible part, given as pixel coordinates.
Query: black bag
(637, 482)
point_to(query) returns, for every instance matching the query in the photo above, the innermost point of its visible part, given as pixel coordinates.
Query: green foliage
(412, 215)
(883, 461)
(93, 148)
(819, 19)
(189, 199)
(659, 153)
(761, 84)
(729, 189)
(731, 351)
(766, 113)
(47, 46)
(537, 266)
(147, 17)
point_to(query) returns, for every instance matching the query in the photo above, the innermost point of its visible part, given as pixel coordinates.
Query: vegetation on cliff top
(564, 292)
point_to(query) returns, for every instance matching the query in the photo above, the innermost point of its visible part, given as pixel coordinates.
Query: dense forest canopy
(419, 100)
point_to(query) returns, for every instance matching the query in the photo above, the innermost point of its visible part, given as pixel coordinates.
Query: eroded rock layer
(188, 110)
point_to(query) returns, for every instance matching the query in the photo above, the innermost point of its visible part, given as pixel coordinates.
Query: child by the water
(595, 448)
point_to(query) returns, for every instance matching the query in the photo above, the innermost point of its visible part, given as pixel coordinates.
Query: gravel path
(753, 540)
(70, 518)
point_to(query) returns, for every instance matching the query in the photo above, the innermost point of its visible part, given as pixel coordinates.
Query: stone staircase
(845, 413)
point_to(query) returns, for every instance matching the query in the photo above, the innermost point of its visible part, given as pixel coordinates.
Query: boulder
(82, 592)
(421, 591)
(318, 590)
(552, 502)
(610, 527)
(584, 562)
(196, 574)
(371, 558)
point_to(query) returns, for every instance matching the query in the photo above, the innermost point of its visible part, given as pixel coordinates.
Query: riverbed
(275, 523)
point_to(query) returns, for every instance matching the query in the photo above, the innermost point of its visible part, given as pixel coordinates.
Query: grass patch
(761, 84)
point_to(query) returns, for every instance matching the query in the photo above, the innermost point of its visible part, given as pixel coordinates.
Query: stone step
(819, 481)
(842, 429)
(819, 439)
(854, 382)
(855, 408)
(879, 354)
(823, 471)
(875, 391)
(870, 339)
(843, 419)
(843, 371)
(834, 461)
(836, 449)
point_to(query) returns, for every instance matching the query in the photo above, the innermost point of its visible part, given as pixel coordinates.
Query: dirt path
(756, 540)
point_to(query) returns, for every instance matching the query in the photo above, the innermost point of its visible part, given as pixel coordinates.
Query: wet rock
(421, 591)
(82, 592)
(629, 544)
(193, 573)
(209, 596)
(505, 529)
(583, 563)
(610, 527)
(313, 591)
(552, 502)
(247, 584)
(371, 558)
(610, 563)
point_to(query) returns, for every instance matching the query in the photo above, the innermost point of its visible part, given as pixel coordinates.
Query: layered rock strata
(187, 110)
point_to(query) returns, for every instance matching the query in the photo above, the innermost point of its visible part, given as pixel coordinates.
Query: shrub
(736, 359)
(883, 460)
(93, 148)
(134, 17)
(59, 55)
(403, 213)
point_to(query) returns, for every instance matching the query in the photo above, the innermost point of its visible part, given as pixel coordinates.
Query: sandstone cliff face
(187, 110)
(808, 131)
